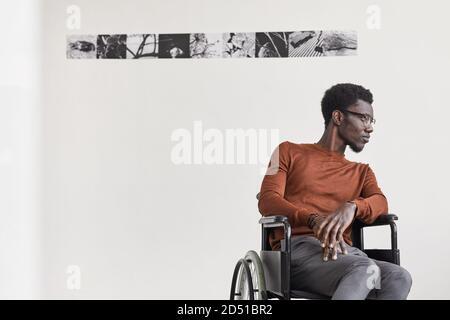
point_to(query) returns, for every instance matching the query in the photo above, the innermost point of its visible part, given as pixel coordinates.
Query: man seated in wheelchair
(322, 193)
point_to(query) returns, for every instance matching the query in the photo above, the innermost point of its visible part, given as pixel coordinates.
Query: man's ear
(337, 117)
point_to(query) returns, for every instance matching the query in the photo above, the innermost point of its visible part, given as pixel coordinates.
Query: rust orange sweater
(312, 179)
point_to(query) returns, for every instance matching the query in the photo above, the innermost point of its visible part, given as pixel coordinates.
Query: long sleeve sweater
(312, 179)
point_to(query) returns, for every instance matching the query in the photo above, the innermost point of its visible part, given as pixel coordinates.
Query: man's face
(356, 126)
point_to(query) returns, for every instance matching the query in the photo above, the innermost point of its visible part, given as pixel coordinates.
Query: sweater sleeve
(372, 202)
(271, 197)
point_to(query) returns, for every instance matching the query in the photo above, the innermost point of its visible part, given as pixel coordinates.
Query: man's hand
(330, 229)
(338, 247)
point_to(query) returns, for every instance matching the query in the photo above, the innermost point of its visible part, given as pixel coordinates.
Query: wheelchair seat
(298, 294)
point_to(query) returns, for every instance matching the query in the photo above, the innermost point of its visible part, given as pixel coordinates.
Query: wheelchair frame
(276, 264)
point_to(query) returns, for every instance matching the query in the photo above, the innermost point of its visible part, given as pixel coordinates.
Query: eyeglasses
(365, 118)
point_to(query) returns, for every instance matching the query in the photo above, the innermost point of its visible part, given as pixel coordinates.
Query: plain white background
(87, 177)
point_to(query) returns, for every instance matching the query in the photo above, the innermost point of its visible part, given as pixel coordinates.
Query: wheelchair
(267, 276)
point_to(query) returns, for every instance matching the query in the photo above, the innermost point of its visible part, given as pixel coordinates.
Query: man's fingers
(318, 228)
(326, 253)
(343, 247)
(340, 238)
(323, 231)
(333, 235)
(321, 227)
(326, 220)
(334, 252)
(326, 239)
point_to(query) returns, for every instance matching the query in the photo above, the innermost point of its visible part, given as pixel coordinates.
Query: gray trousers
(353, 276)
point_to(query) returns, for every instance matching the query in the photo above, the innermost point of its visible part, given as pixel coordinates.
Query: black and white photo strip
(318, 43)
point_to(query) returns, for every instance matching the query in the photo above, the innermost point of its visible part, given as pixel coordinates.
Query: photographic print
(238, 45)
(142, 46)
(338, 43)
(305, 44)
(313, 43)
(204, 45)
(272, 44)
(112, 46)
(173, 45)
(81, 46)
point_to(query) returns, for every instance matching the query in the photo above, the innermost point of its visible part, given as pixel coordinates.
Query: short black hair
(341, 96)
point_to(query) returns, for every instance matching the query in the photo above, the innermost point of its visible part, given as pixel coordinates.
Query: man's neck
(331, 141)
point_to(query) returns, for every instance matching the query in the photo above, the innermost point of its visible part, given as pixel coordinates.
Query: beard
(355, 148)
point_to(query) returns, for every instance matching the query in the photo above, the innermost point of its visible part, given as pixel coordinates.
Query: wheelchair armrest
(273, 220)
(270, 222)
(383, 220)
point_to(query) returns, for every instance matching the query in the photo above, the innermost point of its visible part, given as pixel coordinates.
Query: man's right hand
(334, 248)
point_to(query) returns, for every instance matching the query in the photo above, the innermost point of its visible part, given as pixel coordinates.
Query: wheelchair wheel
(248, 279)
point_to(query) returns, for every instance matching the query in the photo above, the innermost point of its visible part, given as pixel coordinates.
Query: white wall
(139, 226)
(20, 240)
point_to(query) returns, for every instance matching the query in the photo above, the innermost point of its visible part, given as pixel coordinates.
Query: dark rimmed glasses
(365, 118)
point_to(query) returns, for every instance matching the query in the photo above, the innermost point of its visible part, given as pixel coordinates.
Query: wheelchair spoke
(248, 279)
